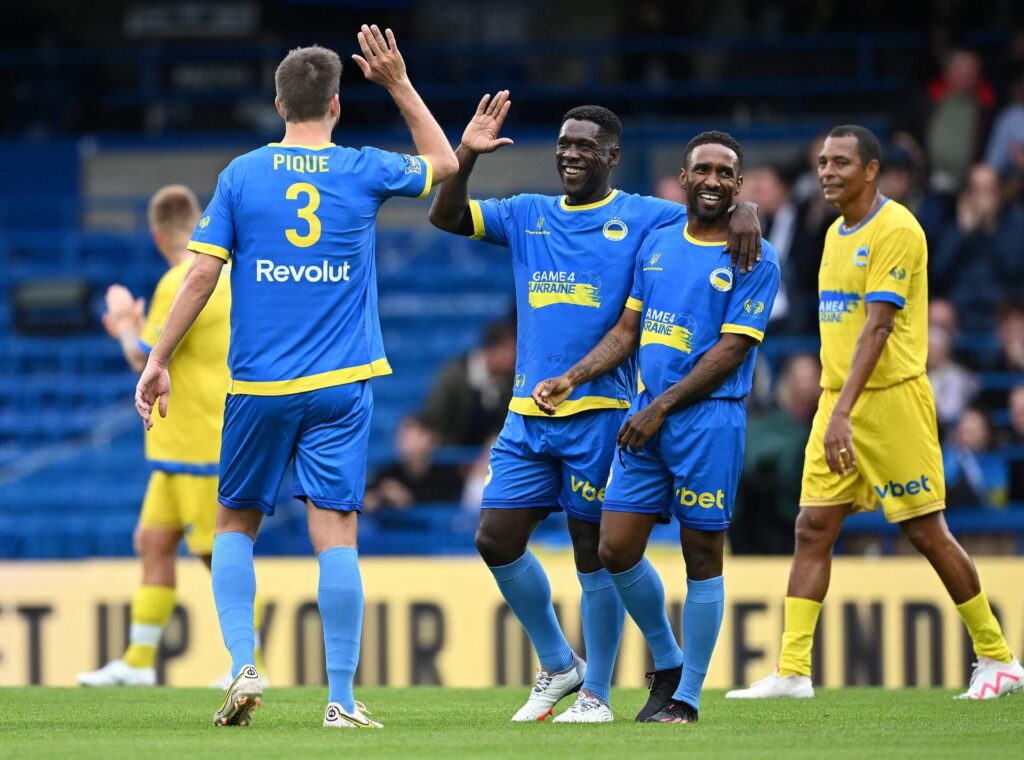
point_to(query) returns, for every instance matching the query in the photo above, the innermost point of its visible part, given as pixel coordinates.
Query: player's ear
(334, 107)
(872, 169)
(280, 108)
(613, 156)
(739, 185)
(682, 178)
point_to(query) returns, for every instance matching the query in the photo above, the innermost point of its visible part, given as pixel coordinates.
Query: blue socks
(524, 584)
(340, 596)
(603, 616)
(644, 597)
(702, 619)
(234, 588)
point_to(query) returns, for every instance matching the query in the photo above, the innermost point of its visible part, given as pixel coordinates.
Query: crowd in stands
(962, 173)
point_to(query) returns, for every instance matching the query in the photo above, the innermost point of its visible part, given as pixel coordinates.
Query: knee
(814, 530)
(156, 545)
(616, 556)
(494, 548)
(701, 565)
(925, 537)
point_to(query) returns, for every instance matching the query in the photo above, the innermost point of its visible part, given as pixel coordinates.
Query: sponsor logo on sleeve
(412, 165)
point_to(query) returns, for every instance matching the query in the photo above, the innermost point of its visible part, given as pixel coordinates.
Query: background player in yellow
(874, 440)
(181, 498)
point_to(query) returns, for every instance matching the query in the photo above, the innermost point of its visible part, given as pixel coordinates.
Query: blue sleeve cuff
(143, 346)
(885, 295)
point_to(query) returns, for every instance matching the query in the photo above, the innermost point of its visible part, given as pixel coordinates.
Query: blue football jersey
(298, 224)
(573, 269)
(688, 295)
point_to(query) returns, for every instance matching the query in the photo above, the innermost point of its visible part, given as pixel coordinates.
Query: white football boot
(587, 708)
(992, 679)
(337, 717)
(225, 680)
(549, 689)
(797, 687)
(118, 673)
(242, 697)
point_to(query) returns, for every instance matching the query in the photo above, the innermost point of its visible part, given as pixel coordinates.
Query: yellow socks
(152, 607)
(984, 629)
(801, 617)
(257, 652)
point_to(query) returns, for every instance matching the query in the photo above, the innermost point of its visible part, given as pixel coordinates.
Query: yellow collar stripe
(695, 241)
(587, 206)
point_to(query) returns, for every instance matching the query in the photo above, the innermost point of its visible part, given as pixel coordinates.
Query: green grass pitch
(424, 723)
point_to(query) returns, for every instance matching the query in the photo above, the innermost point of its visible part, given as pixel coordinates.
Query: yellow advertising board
(886, 622)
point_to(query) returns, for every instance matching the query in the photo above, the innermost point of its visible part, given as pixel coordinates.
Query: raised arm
(123, 322)
(155, 383)
(614, 348)
(710, 371)
(450, 209)
(383, 64)
(878, 325)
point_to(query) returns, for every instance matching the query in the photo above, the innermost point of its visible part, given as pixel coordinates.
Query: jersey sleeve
(891, 265)
(667, 213)
(636, 292)
(215, 232)
(399, 173)
(159, 307)
(753, 297)
(492, 220)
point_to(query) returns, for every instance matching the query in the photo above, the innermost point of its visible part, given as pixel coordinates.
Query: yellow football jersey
(884, 258)
(190, 434)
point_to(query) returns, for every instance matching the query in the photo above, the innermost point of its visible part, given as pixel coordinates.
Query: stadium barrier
(887, 622)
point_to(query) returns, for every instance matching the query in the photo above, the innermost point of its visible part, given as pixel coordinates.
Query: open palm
(481, 135)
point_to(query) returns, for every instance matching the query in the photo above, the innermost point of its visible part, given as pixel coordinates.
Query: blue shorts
(690, 469)
(326, 431)
(560, 463)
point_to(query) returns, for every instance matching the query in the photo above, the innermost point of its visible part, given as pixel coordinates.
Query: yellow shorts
(899, 462)
(177, 501)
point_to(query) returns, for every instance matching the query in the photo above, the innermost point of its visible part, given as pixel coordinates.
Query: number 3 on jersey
(306, 213)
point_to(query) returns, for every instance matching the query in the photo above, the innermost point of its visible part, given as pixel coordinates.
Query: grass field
(426, 723)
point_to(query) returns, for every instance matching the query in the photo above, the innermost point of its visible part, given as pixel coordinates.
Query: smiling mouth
(709, 197)
(572, 171)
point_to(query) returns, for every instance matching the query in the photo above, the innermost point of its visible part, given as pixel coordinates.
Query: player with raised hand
(297, 220)
(697, 327)
(874, 441)
(573, 258)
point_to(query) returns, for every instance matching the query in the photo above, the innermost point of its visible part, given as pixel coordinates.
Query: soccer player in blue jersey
(296, 219)
(573, 257)
(696, 324)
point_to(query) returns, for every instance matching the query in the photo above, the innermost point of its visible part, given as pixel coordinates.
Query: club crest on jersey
(539, 229)
(860, 257)
(615, 230)
(204, 222)
(721, 279)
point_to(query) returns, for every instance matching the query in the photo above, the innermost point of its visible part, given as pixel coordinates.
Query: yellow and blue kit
(688, 295)
(895, 434)
(298, 224)
(183, 450)
(573, 269)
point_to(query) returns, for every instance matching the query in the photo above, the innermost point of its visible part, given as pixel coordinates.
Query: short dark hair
(713, 137)
(868, 147)
(306, 80)
(498, 332)
(608, 122)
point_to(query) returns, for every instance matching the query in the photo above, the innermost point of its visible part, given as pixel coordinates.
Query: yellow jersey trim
(305, 147)
(209, 248)
(587, 206)
(478, 220)
(690, 238)
(311, 382)
(634, 304)
(757, 335)
(527, 406)
(430, 177)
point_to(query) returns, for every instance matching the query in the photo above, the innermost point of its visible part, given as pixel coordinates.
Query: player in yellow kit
(181, 498)
(874, 441)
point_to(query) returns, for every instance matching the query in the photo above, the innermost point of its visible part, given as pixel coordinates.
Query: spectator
(1010, 331)
(470, 397)
(901, 171)
(669, 189)
(769, 493)
(476, 478)
(954, 386)
(960, 103)
(1015, 450)
(942, 313)
(1005, 151)
(978, 261)
(974, 475)
(415, 478)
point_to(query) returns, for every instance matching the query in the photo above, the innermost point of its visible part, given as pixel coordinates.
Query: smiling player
(697, 327)
(874, 440)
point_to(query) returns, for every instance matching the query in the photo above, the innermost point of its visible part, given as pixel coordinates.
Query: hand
(640, 427)
(967, 216)
(382, 64)
(551, 392)
(481, 134)
(123, 310)
(744, 236)
(154, 384)
(839, 444)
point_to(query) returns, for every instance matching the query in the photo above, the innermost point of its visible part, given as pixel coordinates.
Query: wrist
(660, 407)
(842, 412)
